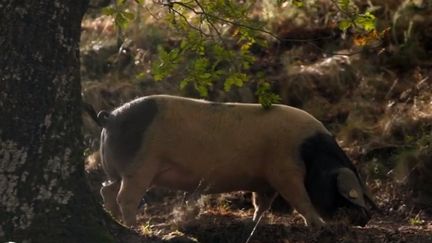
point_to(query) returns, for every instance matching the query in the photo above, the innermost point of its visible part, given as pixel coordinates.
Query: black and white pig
(189, 144)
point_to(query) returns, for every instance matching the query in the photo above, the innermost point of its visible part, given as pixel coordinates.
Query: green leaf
(184, 83)
(141, 75)
(158, 77)
(366, 21)
(205, 76)
(129, 16)
(201, 64)
(183, 44)
(298, 3)
(158, 71)
(120, 2)
(173, 55)
(344, 24)
(265, 96)
(166, 64)
(202, 90)
(110, 11)
(120, 21)
(237, 79)
(343, 4)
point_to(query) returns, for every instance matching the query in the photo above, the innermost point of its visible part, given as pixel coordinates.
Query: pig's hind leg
(132, 189)
(262, 202)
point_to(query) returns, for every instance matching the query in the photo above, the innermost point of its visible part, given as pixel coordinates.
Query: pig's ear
(349, 187)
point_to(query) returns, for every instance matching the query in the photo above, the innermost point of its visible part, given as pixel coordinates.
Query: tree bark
(44, 196)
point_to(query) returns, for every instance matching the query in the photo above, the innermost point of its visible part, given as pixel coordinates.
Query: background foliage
(217, 40)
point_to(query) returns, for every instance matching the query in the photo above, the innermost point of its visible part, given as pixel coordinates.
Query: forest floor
(164, 216)
(216, 224)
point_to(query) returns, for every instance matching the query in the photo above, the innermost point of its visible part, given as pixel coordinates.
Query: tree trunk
(44, 196)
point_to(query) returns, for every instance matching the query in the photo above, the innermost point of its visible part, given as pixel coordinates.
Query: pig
(196, 145)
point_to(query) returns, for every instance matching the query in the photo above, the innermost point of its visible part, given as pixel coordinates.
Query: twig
(190, 25)
(390, 91)
(254, 228)
(211, 23)
(151, 13)
(226, 20)
(207, 16)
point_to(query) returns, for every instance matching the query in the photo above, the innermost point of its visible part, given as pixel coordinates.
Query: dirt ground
(166, 216)
(218, 223)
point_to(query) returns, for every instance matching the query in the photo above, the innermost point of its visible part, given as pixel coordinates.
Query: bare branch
(151, 13)
(190, 25)
(210, 22)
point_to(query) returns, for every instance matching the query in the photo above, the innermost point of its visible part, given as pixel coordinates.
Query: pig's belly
(177, 178)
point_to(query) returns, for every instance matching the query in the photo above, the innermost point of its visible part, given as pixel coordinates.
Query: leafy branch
(208, 61)
(216, 39)
(352, 18)
(208, 16)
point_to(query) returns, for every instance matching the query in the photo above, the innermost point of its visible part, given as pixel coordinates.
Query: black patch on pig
(323, 157)
(127, 128)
